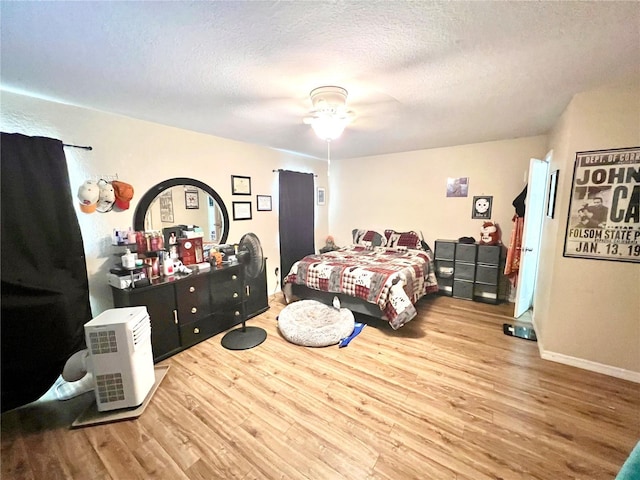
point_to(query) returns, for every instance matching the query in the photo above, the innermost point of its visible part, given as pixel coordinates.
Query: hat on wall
(88, 194)
(107, 197)
(123, 193)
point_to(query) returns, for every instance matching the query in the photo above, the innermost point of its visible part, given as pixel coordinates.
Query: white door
(533, 218)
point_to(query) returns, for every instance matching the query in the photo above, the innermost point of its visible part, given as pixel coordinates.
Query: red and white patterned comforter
(392, 278)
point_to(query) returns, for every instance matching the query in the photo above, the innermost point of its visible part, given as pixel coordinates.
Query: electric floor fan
(251, 257)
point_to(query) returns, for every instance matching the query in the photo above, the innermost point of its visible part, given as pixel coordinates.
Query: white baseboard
(592, 366)
(617, 372)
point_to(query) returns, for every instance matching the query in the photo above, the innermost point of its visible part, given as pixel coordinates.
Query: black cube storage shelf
(468, 270)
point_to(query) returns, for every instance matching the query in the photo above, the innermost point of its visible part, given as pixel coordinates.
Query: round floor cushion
(314, 324)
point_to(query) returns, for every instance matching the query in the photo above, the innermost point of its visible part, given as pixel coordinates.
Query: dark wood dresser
(187, 309)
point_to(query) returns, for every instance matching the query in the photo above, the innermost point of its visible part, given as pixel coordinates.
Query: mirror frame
(153, 192)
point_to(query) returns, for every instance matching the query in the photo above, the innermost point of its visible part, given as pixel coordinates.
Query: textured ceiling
(419, 74)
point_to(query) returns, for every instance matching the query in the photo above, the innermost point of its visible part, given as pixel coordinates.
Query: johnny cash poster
(604, 211)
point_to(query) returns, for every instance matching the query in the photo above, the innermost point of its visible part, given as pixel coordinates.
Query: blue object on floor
(358, 327)
(631, 468)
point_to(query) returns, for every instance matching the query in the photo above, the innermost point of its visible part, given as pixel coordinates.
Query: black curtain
(45, 291)
(296, 218)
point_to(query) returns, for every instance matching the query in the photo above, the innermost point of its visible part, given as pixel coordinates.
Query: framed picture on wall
(263, 203)
(240, 185)
(166, 207)
(602, 222)
(191, 200)
(242, 210)
(482, 207)
(458, 187)
(551, 200)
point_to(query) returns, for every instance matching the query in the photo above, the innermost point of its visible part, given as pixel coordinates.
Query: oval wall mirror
(183, 201)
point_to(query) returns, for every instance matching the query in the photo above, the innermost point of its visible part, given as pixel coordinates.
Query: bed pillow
(368, 238)
(403, 239)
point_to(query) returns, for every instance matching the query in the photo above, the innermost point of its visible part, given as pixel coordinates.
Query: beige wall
(144, 154)
(407, 191)
(587, 312)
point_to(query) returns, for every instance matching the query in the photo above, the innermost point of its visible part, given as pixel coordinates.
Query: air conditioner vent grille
(103, 341)
(141, 331)
(110, 387)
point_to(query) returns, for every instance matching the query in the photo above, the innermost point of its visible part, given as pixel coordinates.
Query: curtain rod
(77, 146)
(283, 170)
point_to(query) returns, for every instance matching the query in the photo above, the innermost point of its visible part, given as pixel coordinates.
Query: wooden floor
(448, 396)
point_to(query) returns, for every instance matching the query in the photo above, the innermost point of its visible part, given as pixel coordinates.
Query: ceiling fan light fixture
(328, 128)
(330, 115)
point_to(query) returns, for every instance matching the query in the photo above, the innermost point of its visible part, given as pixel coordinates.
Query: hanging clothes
(514, 252)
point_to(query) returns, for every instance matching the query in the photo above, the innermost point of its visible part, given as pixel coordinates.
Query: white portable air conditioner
(120, 357)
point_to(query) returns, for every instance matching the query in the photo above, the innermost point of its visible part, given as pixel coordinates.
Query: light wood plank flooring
(448, 396)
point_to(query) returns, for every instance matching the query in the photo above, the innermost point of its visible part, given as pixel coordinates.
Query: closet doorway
(531, 235)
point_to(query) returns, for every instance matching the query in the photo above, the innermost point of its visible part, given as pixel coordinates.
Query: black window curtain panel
(45, 291)
(296, 218)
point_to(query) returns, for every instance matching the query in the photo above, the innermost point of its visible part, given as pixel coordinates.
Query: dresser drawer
(489, 254)
(227, 288)
(464, 271)
(485, 293)
(227, 297)
(194, 332)
(445, 286)
(444, 269)
(445, 249)
(487, 274)
(193, 298)
(227, 319)
(463, 289)
(466, 252)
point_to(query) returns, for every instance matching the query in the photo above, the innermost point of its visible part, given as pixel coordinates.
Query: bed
(380, 276)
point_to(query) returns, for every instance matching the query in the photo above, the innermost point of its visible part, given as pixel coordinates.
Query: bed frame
(354, 304)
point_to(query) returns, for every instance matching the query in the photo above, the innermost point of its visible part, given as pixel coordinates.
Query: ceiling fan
(329, 115)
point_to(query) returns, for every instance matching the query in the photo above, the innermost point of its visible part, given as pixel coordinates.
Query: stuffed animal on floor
(490, 234)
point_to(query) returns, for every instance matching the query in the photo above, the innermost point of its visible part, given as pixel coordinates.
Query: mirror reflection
(183, 201)
(186, 205)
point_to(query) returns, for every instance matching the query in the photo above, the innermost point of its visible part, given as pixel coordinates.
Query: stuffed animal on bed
(490, 234)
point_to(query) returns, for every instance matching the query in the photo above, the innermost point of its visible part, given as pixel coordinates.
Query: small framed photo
(242, 210)
(191, 200)
(166, 207)
(553, 186)
(240, 185)
(482, 207)
(321, 199)
(263, 203)
(458, 187)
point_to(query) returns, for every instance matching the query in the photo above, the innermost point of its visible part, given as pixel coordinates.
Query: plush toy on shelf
(490, 234)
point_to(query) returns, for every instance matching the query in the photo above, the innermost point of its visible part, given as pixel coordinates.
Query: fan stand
(244, 338)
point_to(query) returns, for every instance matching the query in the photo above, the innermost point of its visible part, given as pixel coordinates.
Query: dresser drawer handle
(192, 289)
(235, 294)
(194, 310)
(196, 330)
(234, 277)
(237, 313)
